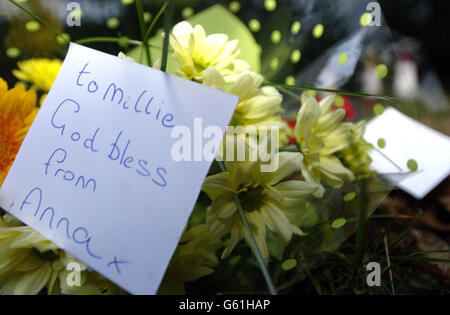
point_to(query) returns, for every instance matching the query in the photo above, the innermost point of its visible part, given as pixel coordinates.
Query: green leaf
(289, 264)
(307, 216)
(198, 214)
(332, 238)
(285, 88)
(276, 245)
(215, 19)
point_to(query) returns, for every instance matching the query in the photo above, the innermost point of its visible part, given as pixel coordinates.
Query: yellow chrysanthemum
(356, 155)
(320, 133)
(30, 263)
(197, 52)
(122, 55)
(156, 65)
(268, 201)
(24, 268)
(17, 112)
(194, 258)
(40, 72)
(258, 107)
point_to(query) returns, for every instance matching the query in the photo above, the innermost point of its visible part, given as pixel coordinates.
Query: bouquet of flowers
(249, 227)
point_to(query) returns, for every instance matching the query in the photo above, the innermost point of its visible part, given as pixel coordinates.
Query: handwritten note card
(407, 139)
(95, 173)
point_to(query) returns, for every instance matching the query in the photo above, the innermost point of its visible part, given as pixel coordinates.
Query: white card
(121, 213)
(408, 139)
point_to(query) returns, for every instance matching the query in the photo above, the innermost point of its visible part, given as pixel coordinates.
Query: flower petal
(296, 189)
(259, 233)
(236, 236)
(216, 184)
(224, 205)
(325, 104)
(307, 116)
(213, 78)
(279, 220)
(29, 283)
(288, 162)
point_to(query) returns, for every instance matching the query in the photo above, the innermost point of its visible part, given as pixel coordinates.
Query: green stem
(387, 158)
(256, 251)
(342, 92)
(289, 93)
(140, 13)
(39, 19)
(88, 40)
(406, 231)
(429, 252)
(156, 18)
(290, 148)
(361, 230)
(314, 281)
(168, 15)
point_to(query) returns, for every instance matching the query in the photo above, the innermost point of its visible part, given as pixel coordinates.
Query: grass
(401, 271)
(408, 271)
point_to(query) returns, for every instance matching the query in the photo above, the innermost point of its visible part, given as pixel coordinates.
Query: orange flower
(17, 112)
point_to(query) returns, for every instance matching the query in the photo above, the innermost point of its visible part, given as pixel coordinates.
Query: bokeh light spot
(13, 52)
(234, 6)
(381, 71)
(339, 102)
(127, 2)
(254, 25)
(318, 31)
(290, 80)
(311, 93)
(270, 5)
(381, 143)
(63, 38)
(365, 19)
(295, 56)
(295, 28)
(274, 63)
(275, 36)
(349, 196)
(343, 58)
(412, 165)
(113, 23)
(378, 109)
(147, 17)
(338, 223)
(289, 264)
(76, 14)
(187, 12)
(33, 26)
